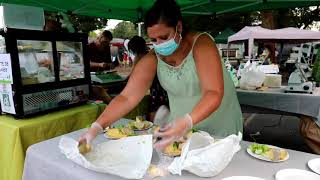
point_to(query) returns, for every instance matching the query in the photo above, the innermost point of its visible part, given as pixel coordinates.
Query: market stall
(277, 98)
(38, 160)
(257, 33)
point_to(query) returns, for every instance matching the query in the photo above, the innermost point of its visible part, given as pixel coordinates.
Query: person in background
(114, 52)
(99, 52)
(266, 56)
(138, 48)
(52, 25)
(200, 90)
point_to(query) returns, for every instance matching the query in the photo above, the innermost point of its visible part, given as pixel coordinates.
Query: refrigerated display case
(49, 69)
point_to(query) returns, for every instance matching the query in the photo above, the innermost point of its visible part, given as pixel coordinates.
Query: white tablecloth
(44, 161)
(277, 99)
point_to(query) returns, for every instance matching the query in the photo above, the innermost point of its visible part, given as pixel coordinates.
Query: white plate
(314, 165)
(242, 178)
(265, 158)
(296, 174)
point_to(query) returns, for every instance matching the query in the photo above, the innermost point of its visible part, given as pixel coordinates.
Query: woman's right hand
(92, 133)
(103, 65)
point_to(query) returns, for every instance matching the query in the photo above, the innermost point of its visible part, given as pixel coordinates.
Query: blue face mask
(168, 47)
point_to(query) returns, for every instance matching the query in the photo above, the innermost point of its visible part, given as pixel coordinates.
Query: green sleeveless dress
(183, 87)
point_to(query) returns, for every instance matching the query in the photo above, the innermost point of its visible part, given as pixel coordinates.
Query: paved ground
(278, 130)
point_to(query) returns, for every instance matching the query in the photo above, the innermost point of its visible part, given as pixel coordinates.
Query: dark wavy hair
(107, 34)
(138, 45)
(163, 11)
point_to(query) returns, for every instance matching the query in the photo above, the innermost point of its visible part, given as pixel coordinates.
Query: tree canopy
(87, 24)
(297, 17)
(124, 30)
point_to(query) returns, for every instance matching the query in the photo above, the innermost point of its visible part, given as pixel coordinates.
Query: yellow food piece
(156, 129)
(181, 146)
(139, 124)
(139, 118)
(115, 133)
(283, 154)
(84, 148)
(146, 124)
(171, 150)
(188, 135)
(127, 131)
(269, 154)
(153, 171)
(276, 154)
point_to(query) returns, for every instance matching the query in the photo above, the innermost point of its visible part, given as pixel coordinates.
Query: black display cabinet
(49, 70)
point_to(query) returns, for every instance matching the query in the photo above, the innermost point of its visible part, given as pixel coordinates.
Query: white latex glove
(90, 134)
(173, 131)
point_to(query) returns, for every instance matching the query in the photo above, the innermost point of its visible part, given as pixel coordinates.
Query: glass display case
(48, 68)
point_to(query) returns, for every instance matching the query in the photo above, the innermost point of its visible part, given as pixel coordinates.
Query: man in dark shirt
(99, 52)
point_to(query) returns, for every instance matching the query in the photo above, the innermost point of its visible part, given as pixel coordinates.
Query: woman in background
(138, 48)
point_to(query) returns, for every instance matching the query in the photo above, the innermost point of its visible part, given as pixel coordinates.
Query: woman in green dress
(200, 90)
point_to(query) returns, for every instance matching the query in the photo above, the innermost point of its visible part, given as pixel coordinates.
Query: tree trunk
(269, 22)
(269, 19)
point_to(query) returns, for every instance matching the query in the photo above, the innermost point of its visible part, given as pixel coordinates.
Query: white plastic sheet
(127, 157)
(205, 157)
(251, 77)
(252, 80)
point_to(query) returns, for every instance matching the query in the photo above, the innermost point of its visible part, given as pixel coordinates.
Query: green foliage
(87, 24)
(297, 17)
(316, 68)
(81, 23)
(194, 130)
(175, 145)
(304, 17)
(216, 24)
(124, 29)
(92, 34)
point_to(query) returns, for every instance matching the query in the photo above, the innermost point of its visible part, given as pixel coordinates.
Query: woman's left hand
(173, 131)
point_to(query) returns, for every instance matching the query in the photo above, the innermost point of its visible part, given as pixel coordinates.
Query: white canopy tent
(256, 33)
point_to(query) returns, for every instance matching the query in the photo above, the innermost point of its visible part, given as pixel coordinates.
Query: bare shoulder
(203, 39)
(141, 76)
(204, 45)
(147, 63)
